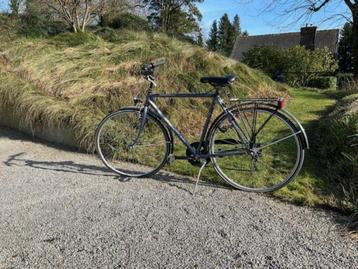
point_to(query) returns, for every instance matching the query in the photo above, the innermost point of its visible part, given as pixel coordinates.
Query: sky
(254, 19)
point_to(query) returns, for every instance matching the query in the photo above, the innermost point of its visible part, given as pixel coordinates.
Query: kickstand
(197, 180)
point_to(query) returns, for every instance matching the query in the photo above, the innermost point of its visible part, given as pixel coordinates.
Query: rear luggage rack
(278, 102)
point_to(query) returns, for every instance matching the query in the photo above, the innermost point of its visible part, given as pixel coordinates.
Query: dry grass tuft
(95, 75)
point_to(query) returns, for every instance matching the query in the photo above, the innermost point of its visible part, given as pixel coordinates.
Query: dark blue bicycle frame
(216, 99)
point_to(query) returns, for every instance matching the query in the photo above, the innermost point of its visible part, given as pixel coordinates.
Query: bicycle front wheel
(273, 158)
(129, 150)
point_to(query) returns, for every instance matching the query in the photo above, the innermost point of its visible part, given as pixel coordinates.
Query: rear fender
(248, 104)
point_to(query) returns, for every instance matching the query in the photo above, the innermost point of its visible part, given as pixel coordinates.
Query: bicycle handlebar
(147, 69)
(158, 62)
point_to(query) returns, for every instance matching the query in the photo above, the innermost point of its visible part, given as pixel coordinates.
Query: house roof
(324, 38)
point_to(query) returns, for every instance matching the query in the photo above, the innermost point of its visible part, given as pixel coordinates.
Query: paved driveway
(60, 209)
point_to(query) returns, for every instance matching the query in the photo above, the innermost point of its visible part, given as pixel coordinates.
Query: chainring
(194, 161)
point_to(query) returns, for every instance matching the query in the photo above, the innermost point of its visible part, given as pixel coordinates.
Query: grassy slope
(96, 75)
(52, 82)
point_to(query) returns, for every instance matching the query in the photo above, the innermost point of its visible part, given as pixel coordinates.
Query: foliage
(345, 49)
(347, 82)
(223, 35)
(200, 39)
(303, 10)
(213, 41)
(226, 35)
(338, 150)
(237, 26)
(174, 17)
(15, 6)
(323, 82)
(39, 26)
(296, 64)
(77, 14)
(126, 21)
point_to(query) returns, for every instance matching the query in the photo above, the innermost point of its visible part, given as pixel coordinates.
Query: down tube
(169, 124)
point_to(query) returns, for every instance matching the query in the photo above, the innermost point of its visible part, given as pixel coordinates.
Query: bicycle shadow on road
(19, 159)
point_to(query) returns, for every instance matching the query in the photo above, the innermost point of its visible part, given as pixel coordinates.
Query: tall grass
(339, 152)
(84, 72)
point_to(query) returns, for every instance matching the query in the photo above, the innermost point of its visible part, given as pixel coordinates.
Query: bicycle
(254, 145)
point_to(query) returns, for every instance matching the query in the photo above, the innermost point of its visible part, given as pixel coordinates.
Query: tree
(308, 7)
(213, 42)
(226, 35)
(297, 64)
(345, 49)
(114, 9)
(174, 17)
(245, 33)
(200, 39)
(15, 6)
(79, 13)
(236, 25)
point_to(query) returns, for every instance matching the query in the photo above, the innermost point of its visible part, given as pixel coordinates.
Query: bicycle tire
(237, 182)
(131, 165)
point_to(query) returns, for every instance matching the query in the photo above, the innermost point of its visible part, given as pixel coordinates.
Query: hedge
(323, 82)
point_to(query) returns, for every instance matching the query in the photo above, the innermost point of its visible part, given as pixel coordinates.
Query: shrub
(126, 21)
(297, 65)
(38, 26)
(343, 78)
(321, 82)
(75, 39)
(338, 150)
(267, 58)
(107, 33)
(347, 82)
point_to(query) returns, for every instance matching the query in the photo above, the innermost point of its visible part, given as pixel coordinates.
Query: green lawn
(308, 187)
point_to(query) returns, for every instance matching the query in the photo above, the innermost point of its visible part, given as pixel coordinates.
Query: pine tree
(236, 24)
(212, 42)
(200, 40)
(245, 33)
(226, 35)
(345, 55)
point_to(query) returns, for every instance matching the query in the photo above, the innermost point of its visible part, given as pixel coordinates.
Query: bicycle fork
(141, 126)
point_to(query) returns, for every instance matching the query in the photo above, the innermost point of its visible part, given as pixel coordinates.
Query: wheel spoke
(280, 140)
(262, 166)
(127, 151)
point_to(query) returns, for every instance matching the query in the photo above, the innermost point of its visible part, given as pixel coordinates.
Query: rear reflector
(281, 103)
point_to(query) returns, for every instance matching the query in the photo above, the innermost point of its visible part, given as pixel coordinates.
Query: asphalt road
(60, 209)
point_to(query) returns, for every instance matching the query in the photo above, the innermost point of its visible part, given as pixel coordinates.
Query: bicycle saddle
(218, 81)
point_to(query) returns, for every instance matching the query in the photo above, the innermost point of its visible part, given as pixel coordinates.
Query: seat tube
(206, 125)
(232, 120)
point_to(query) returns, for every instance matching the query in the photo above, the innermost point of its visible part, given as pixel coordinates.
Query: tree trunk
(355, 41)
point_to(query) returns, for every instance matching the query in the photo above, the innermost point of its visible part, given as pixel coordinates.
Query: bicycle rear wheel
(275, 155)
(126, 149)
